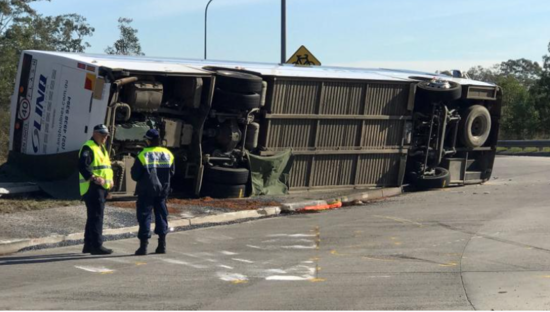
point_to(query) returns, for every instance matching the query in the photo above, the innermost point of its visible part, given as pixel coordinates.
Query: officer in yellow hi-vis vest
(152, 170)
(96, 179)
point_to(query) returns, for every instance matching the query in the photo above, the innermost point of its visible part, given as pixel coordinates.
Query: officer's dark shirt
(152, 182)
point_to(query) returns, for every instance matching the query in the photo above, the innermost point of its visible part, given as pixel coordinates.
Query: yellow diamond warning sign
(303, 57)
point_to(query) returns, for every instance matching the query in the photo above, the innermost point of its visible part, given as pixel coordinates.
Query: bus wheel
(223, 175)
(439, 179)
(217, 190)
(238, 82)
(475, 128)
(439, 90)
(232, 100)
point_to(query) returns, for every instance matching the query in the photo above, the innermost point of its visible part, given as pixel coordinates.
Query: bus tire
(232, 100)
(476, 127)
(239, 82)
(217, 190)
(223, 175)
(433, 94)
(441, 179)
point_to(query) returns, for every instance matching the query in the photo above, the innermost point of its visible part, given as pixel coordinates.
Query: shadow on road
(54, 258)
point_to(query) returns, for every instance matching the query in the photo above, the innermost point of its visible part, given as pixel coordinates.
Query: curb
(13, 246)
(345, 200)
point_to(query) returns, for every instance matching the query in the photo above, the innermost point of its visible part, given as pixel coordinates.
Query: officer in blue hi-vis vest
(152, 170)
(96, 179)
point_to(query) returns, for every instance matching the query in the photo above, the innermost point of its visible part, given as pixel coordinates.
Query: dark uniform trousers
(144, 206)
(95, 206)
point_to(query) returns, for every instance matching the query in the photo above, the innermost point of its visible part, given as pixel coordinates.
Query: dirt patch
(11, 205)
(232, 204)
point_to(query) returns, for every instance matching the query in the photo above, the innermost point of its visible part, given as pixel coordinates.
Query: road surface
(463, 248)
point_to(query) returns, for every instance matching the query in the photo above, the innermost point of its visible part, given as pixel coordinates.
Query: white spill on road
(94, 269)
(196, 266)
(229, 253)
(231, 277)
(242, 260)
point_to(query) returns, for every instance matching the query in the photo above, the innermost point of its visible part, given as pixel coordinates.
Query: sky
(413, 34)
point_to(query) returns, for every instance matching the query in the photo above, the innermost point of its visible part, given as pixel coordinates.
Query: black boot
(86, 249)
(100, 251)
(142, 251)
(161, 249)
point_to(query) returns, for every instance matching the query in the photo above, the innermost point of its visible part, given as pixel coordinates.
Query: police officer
(152, 170)
(96, 179)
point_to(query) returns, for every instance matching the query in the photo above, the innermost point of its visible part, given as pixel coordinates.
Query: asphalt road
(476, 247)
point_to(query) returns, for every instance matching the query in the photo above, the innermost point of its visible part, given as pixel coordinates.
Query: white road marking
(197, 257)
(118, 260)
(196, 266)
(231, 277)
(94, 269)
(291, 235)
(225, 266)
(380, 276)
(304, 273)
(242, 260)
(229, 253)
(288, 278)
(255, 247)
(300, 240)
(299, 247)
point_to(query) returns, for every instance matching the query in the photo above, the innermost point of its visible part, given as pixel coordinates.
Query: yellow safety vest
(101, 167)
(156, 157)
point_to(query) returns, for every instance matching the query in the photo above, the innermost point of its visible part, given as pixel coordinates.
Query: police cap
(101, 128)
(151, 134)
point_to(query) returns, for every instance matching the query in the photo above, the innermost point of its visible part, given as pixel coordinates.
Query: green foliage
(128, 44)
(525, 71)
(484, 74)
(520, 119)
(4, 135)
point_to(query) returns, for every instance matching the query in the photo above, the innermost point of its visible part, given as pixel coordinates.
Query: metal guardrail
(540, 144)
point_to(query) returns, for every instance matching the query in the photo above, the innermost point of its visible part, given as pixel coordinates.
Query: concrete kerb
(12, 246)
(346, 200)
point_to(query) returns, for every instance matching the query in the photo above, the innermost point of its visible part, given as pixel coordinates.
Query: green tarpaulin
(270, 174)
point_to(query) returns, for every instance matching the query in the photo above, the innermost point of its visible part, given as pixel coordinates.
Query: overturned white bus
(346, 127)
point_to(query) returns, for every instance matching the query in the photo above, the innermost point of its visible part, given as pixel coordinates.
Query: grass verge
(14, 204)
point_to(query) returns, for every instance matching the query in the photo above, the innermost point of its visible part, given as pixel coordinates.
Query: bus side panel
(81, 104)
(60, 94)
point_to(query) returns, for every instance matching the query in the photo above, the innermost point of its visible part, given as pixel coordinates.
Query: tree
(480, 73)
(128, 44)
(520, 118)
(525, 71)
(541, 93)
